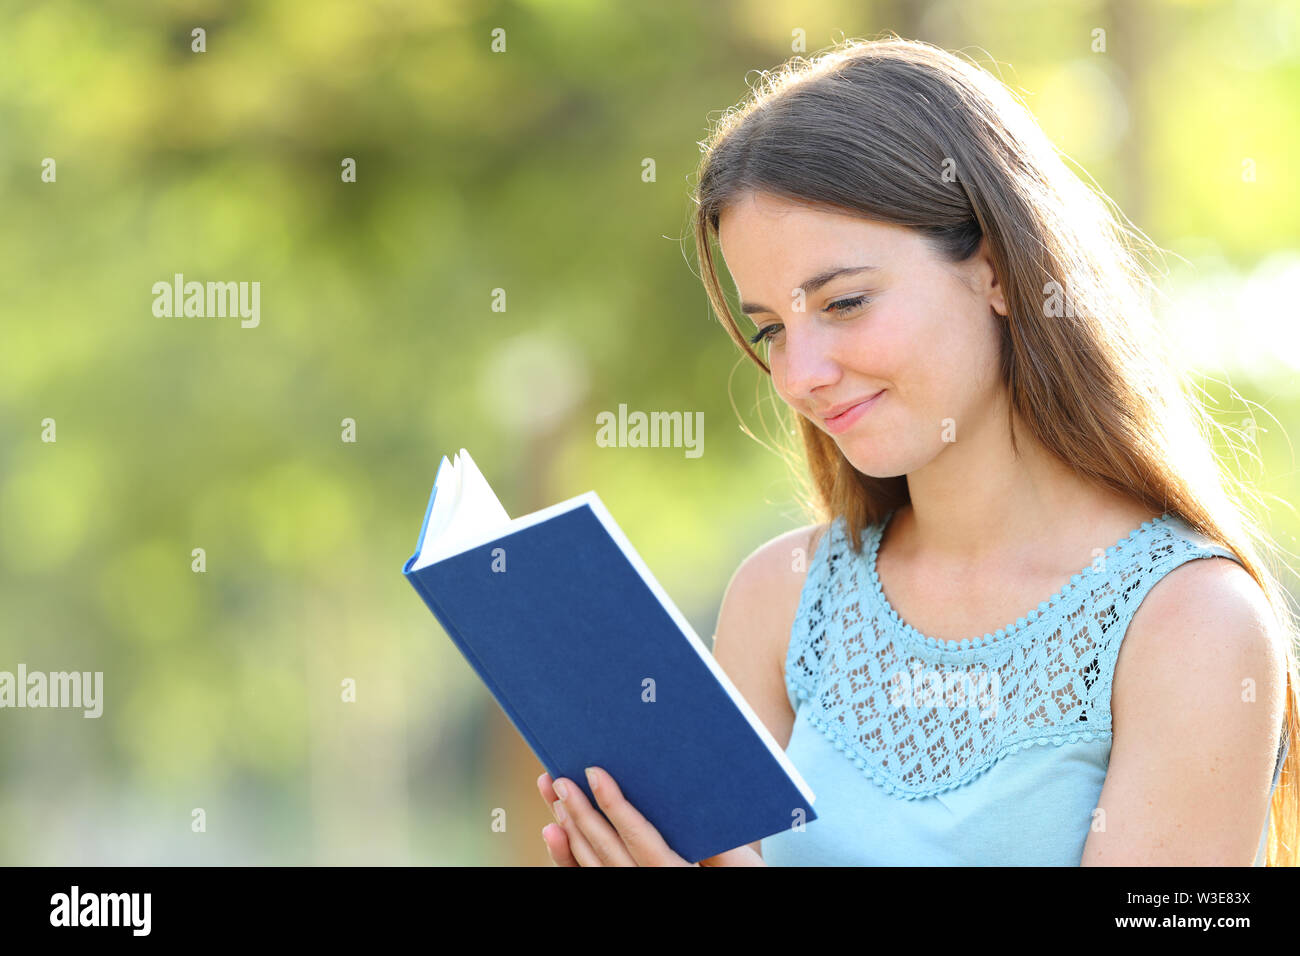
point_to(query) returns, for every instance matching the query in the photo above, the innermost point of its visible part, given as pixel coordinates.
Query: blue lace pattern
(919, 715)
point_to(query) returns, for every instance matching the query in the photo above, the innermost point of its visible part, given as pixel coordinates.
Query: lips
(838, 410)
(849, 418)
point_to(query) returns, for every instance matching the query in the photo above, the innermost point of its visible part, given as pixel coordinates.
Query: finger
(546, 789)
(637, 835)
(557, 845)
(579, 847)
(584, 855)
(588, 830)
(559, 836)
(740, 856)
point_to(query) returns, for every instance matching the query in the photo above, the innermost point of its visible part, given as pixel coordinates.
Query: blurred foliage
(476, 171)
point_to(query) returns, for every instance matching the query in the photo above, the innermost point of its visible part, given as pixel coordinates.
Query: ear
(994, 290)
(997, 299)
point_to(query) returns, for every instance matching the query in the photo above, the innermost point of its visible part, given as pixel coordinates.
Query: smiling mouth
(869, 398)
(849, 417)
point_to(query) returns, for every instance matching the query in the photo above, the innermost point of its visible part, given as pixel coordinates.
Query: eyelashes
(838, 307)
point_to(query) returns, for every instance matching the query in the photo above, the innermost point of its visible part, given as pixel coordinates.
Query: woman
(997, 646)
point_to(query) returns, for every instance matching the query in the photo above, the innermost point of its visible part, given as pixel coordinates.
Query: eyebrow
(810, 286)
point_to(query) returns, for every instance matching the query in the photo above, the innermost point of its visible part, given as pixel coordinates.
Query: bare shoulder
(754, 622)
(763, 594)
(1206, 612)
(1197, 706)
(784, 558)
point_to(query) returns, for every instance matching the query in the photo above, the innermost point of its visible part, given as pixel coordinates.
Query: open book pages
(463, 510)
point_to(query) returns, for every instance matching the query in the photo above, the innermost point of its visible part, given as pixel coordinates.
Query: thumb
(740, 856)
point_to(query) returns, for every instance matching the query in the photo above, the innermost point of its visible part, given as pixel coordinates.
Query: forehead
(760, 232)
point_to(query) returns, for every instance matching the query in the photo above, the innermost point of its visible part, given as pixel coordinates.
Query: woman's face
(897, 321)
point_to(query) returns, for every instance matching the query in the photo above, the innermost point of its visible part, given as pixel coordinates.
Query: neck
(977, 500)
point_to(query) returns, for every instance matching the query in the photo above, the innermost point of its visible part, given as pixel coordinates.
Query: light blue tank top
(983, 752)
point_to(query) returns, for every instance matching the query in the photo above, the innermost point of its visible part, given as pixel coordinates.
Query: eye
(846, 305)
(838, 307)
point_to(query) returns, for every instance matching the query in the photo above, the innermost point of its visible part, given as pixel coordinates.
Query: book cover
(594, 665)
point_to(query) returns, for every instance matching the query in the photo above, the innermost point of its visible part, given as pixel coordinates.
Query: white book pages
(465, 511)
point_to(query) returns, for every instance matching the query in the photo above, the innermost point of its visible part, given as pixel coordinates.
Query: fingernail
(561, 790)
(558, 809)
(591, 778)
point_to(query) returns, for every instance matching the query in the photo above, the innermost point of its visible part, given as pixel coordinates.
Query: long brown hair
(903, 132)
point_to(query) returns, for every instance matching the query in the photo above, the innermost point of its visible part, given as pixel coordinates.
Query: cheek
(924, 351)
(888, 347)
(960, 367)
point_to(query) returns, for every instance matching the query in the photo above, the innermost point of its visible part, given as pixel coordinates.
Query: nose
(807, 363)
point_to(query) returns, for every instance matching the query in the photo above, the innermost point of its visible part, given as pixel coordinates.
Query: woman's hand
(585, 838)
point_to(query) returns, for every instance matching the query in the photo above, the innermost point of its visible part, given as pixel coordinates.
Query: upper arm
(1196, 705)
(754, 622)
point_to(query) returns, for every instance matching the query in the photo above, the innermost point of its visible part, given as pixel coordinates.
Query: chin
(871, 463)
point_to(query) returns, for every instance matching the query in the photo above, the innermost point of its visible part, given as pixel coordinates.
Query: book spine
(551, 766)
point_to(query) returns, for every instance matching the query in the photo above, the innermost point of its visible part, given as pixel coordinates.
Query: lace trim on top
(919, 715)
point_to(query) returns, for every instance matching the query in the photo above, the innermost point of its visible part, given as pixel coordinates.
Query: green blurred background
(522, 171)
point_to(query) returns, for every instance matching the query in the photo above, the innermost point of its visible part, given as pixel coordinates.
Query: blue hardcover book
(595, 665)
